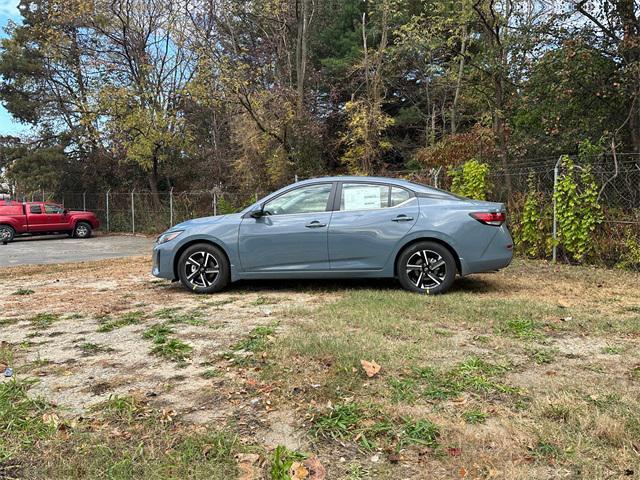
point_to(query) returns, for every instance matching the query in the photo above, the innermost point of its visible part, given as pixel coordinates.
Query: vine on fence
(578, 211)
(471, 180)
(532, 231)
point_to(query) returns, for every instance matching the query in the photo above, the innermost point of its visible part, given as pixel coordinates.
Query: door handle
(402, 218)
(315, 224)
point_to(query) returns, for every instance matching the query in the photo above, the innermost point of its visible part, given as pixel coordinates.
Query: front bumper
(162, 262)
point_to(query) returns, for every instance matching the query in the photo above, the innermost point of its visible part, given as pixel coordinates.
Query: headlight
(167, 237)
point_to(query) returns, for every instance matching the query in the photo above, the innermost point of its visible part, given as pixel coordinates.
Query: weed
(282, 460)
(265, 301)
(546, 450)
(211, 373)
(403, 389)
(173, 349)
(340, 422)
(256, 341)
(44, 320)
(158, 333)
(21, 419)
(613, 350)
(542, 357)
(89, 348)
(129, 318)
(524, 328)
(23, 291)
(419, 432)
(474, 417)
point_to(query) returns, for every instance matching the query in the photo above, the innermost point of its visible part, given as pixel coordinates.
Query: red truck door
(56, 218)
(37, 218)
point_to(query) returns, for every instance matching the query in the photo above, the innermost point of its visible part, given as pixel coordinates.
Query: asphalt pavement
(48, 249)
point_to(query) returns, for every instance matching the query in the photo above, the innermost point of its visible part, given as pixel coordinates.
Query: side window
(398, 196)
(50, 208)
(35, 209)
(362, 196)
(311, 199)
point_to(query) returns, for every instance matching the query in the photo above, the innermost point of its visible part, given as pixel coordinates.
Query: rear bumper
(498, 254)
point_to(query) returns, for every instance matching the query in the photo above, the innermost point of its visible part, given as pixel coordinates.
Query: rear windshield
(436, 191)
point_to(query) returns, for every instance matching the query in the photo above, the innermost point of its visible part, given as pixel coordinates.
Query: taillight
(490, 218)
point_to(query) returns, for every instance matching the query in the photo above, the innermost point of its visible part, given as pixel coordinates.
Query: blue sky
(8, 11)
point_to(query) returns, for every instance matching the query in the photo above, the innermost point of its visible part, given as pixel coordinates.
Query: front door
(292, 234)
(371, 221)
(56, 217)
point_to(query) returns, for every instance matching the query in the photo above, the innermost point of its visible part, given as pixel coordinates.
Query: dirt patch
(79, 366)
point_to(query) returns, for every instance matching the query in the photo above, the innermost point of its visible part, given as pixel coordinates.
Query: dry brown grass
(533, 371)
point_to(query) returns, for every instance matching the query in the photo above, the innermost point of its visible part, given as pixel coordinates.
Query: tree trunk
(153, 184)
(304, 17)
(456, 96)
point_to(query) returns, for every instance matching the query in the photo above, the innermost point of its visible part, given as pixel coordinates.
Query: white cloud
(9, 8)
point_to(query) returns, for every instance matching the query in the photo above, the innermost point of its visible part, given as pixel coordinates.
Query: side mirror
(65, 211)
(257, 213)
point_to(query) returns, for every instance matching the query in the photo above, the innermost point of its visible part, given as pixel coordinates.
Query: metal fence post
(84, 201)
(555, 211)
(133, 213)
(215, 204)
(171, 207)
(108, 209)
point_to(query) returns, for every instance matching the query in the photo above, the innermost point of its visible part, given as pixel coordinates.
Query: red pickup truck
(17, 218)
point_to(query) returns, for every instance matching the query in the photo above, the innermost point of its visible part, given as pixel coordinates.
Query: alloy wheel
(5, 233)
(82, 231)
(202, 269)
(426, 269)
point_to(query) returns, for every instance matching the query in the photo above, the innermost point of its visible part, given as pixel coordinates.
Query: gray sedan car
(340, 227)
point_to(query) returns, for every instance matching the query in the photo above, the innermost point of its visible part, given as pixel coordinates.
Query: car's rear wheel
(426, 267)
(203, 268)
(82, 230)
(7, 233)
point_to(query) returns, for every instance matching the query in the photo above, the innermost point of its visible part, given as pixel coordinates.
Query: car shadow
(466, 284)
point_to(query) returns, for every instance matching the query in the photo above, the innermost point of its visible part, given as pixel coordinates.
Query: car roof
(416, 187)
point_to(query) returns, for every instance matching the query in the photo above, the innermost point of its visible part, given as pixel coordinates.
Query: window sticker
(361, 198)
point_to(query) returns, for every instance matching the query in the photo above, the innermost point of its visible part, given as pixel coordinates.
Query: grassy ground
(533, 372)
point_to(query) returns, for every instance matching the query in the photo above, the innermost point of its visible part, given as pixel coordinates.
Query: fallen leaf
(462, 472)
(316, 469)
(298, 471)
(370, 368)
(454, 452)
(248, 466)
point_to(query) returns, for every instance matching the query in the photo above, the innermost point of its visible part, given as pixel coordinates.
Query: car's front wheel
(426, 267)
(6, 233)
(203, 268)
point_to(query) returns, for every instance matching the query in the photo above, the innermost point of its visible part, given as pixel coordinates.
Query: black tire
(203, 268)
(82, 230)
(7, 233)
(433, 276)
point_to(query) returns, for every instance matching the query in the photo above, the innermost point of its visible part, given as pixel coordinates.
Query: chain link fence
(615, 243)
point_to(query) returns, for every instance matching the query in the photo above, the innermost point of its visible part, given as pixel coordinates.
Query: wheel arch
(446, 245)
(182, 248)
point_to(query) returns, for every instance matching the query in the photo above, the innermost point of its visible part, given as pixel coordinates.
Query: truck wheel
(82, 230)
(6, 233)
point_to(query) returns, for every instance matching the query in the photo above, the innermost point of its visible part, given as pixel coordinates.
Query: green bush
(471, 180)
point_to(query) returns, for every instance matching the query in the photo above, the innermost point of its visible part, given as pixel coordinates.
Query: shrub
(471, 180)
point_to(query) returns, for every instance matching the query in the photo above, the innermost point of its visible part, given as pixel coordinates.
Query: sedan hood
(198, 222)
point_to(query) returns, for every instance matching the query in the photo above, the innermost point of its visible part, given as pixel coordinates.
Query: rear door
(37, 218)
(371, 219)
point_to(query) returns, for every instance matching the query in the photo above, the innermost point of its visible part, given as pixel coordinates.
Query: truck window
(35, 209)
(50, 208)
